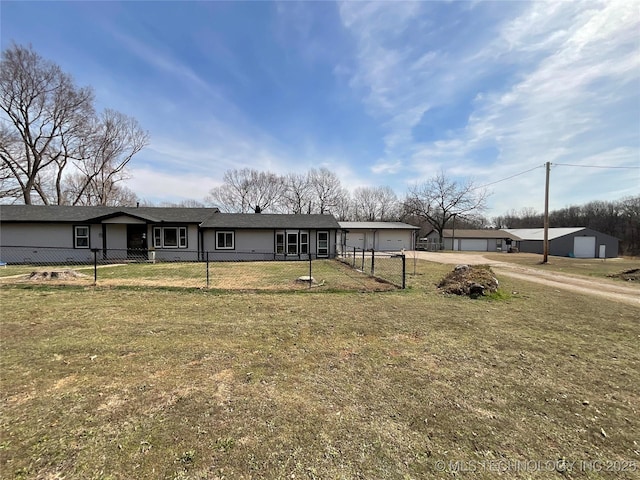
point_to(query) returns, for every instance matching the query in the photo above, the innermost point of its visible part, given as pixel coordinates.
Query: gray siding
(53, 243)
(259, 244)
(43, 235)
(611, 243)
(44, 243)
(563, 246)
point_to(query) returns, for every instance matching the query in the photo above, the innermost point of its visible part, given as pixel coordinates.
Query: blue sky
(385, 93)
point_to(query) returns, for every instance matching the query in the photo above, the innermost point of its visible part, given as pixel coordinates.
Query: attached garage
(584, 247)
(380, 236)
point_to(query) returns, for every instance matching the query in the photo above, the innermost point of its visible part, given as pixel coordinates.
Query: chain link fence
(385, 266)
(225, 270)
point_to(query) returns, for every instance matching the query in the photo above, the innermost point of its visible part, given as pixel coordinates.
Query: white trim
(225, 233)
(77, 237)
(318, 248)
(159, 236)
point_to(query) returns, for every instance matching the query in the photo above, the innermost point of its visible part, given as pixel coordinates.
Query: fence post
(207, 269)
(363, 250)
(404, 271)
(373, 262)
(95, 265)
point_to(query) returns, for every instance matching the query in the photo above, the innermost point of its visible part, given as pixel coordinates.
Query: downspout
(104, 241)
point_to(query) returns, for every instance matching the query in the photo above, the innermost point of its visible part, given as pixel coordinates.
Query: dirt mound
(473, 281)
(630, 275)
(55, 275)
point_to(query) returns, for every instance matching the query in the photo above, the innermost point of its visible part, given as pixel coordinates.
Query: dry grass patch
(273, 276)
(150, 384)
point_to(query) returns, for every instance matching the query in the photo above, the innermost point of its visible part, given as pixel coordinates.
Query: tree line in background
(434, 202)
(55, 148)
(317, 191)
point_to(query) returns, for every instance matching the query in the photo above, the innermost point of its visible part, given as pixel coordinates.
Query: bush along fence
(255, 270)
(385, 266)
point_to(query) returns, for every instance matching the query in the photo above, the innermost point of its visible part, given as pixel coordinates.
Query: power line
(553, 165)
(590, 166)
(509, 177)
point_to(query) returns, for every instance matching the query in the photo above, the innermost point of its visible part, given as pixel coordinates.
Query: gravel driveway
(574, 283)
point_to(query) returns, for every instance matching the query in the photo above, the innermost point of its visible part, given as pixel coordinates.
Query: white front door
(323, 245)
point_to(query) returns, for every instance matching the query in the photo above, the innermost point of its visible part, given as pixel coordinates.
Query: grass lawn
(138, 382)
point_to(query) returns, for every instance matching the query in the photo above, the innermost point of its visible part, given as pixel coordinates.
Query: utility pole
(545, 245)
(453, 235)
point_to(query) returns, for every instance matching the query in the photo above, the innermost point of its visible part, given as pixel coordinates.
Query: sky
(382, 93)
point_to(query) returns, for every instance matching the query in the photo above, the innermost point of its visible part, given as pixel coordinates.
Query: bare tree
(247, 190)
(343, 211)
(526, 217)
(46, 112)
(297, 193)
(375, 204)
(440, 199)
(113, 140)
(52, 143)
(327, 190)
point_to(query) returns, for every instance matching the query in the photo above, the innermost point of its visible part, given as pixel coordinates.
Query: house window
(170, 237)
(225, 240)
(304, 243)
(81, 236)
(157, 237)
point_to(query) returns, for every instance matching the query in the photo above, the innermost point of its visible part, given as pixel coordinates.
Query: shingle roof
(269, 221)
(65, 213)
(377, 226)
(207, 217)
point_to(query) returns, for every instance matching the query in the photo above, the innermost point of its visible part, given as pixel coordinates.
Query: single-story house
(52, 234)
(478, 240)
(380, 236)
(262, 236)
(577, 242)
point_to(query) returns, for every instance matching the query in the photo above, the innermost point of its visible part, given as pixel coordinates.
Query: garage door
(473, 245)
(394, 241)
(355, 239)
(584, 247)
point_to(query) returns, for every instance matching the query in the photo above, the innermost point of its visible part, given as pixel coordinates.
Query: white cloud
(572, 95)
(157, 186)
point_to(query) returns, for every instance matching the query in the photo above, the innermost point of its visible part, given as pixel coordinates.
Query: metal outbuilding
(578, 242)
